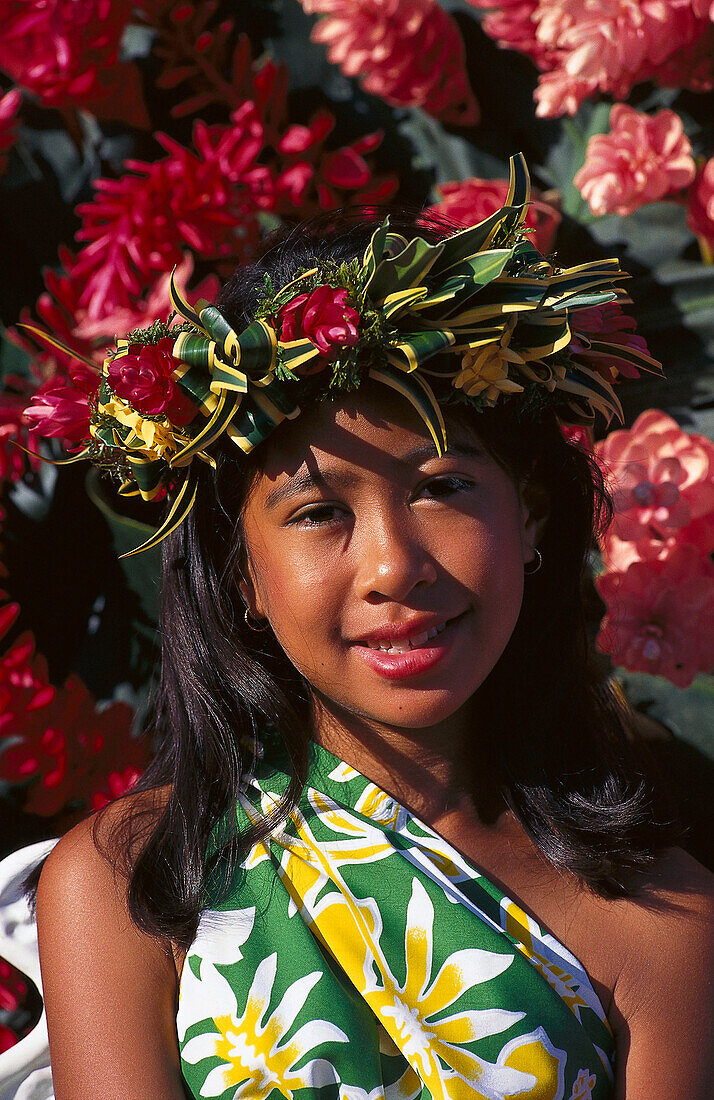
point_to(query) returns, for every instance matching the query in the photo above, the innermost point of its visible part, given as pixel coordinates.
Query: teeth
(409, 643)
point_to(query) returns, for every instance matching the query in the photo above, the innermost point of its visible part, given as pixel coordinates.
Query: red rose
(323, 317)
(144, 378)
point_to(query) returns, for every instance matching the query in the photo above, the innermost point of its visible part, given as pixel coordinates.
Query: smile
(407, 644)
(410, 656)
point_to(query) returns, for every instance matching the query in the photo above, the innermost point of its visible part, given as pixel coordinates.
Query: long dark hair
(557, 742)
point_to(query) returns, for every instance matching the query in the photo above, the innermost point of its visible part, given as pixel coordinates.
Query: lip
(397, 632)
(413, 662)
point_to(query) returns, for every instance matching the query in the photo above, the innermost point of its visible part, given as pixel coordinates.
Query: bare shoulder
(103, 978)
(663, 997)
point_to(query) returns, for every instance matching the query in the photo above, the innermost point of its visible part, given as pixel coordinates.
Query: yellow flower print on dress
(255, 1055)
(411, 1012)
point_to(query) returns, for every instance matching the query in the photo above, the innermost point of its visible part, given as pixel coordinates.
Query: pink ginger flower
(61, 49)
(700, 214)
(662, 485)
(598, 331)
(59, 411)
(607, 46)
(660, 616)
(9, 106)
(642, 159)
(408, 52)
(468, 202)
(138, 225)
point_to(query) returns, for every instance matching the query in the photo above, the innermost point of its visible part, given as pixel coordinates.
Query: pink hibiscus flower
(642, 159)
(660, 616)
(662, 485)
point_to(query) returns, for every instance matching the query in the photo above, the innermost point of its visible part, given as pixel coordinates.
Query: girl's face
(392, 578)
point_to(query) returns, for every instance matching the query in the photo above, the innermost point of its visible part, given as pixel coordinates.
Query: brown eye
(440, 487)
(319, 515)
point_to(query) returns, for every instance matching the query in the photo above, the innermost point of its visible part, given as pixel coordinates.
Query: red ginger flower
(139, 224)
(323, 317)
(660, 616)
(662, 485)
(470, 201)
(57, 743)
(408, 52)
(59, 49)
(642, 159)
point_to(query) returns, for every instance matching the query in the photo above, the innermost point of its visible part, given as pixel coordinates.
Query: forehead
(371, 429)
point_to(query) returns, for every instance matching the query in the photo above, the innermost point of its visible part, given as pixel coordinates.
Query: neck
(426, 769)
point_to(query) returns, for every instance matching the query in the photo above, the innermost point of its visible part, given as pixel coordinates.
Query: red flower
(324, 317)
(59, 49)
(144, 378)
(140, 224)
(409, 52)
(14, 462)
(59, 411)
(58, 745)
(470, 201)
(660, 615)
(114, 785)
(9, 106)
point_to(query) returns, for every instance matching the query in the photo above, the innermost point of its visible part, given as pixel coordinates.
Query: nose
(392, 560)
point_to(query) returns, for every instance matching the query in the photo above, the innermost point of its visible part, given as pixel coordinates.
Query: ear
(249, 591)
(535, 508)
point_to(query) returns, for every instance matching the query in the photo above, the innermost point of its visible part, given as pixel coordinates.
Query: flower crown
(484, 295)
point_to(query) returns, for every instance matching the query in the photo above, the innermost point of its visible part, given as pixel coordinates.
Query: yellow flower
(157, 438)
(254, 1054)
(485, 370)
(412, 1013)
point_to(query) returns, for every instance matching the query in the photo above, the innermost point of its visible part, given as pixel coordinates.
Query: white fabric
(25, 1068)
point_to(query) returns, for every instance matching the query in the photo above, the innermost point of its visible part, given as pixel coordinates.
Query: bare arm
(109, 989)
(664, 999)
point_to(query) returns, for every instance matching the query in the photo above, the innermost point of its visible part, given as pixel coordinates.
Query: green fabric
(361, 956)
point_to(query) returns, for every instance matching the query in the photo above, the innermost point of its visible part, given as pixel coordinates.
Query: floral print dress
(360, 956)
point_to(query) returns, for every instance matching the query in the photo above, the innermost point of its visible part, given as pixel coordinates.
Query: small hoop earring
(258, 629)
(538, 559)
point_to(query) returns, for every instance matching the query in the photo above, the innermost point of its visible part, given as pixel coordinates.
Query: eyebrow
(314, 479)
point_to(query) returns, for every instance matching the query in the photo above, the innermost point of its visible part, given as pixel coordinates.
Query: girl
(395, 842)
